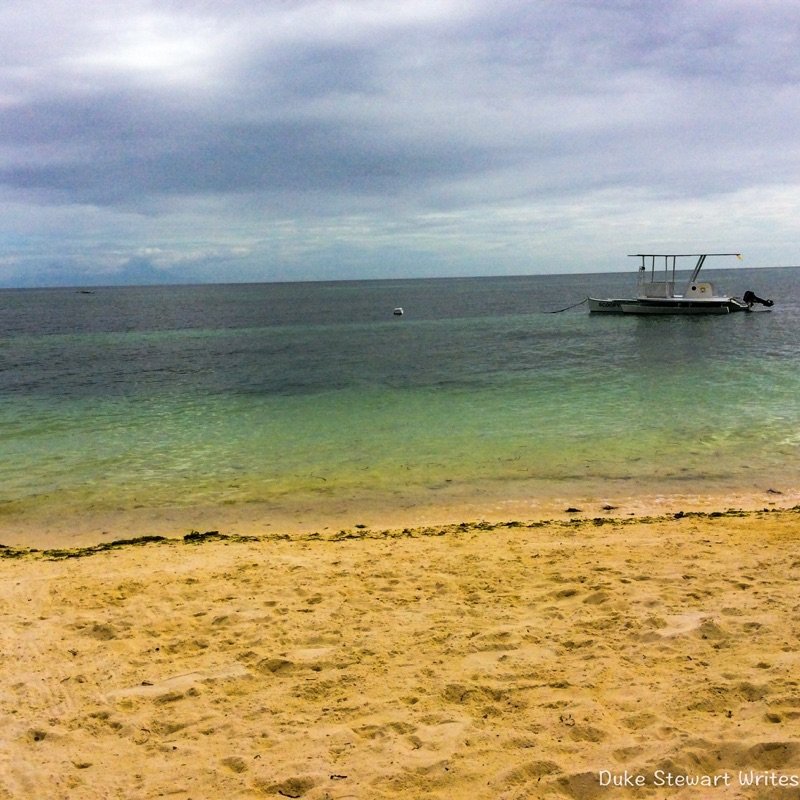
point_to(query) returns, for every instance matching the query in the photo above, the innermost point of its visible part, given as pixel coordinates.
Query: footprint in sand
(290, 787)
(176, 686)
(275, 666)
(689, 623)
(526, 780)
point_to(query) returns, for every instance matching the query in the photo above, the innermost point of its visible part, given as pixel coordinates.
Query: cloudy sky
(238, 140)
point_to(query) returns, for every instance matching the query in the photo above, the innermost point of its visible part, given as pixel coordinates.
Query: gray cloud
(120, 160)
(272, 126)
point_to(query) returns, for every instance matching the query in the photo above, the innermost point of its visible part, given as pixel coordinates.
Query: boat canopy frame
(701, 258)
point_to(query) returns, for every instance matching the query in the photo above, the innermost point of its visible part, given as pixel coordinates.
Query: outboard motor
(751, 298)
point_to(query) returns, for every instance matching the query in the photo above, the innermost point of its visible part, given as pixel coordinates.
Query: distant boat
(656, 296)
(398, 312)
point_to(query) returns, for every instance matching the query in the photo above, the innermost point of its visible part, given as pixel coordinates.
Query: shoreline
(82, 527)
(571, 523)
(484, 660)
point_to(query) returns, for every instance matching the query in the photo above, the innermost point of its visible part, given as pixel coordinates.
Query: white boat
(656, 290)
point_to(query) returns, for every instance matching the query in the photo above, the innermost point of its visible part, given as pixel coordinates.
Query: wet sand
(484, 660)
(27, 525)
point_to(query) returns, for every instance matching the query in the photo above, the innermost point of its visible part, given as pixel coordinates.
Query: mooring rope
(574, 305)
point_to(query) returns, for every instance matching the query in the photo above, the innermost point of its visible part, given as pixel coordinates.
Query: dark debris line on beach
(361, 532)
(58, 554)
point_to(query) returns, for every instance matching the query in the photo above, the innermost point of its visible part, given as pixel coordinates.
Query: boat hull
(721, 305)
(712, 305)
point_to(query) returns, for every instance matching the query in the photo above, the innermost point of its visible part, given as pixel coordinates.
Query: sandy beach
(577, 658)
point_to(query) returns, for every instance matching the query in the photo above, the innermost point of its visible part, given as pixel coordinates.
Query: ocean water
(155, 397)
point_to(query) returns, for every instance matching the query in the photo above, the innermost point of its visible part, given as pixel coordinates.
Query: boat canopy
(701, 257)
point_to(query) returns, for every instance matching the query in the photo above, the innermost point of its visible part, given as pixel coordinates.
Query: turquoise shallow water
(154, 397)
